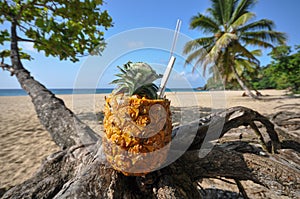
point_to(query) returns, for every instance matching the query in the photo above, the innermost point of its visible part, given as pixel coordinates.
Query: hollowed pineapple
(137, 125)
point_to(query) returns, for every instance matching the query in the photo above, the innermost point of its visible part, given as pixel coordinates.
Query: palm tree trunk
(65, 128)
(242, 84)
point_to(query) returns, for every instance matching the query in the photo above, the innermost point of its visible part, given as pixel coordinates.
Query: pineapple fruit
(137, 125)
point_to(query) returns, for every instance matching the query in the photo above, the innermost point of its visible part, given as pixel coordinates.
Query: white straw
(165, 78)
(168, 70)
(175, 37)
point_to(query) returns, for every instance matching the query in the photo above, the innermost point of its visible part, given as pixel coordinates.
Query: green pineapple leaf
(137, 79)
(149, 91)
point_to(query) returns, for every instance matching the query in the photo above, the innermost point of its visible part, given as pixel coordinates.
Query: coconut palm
(242, 67)
(232, 30)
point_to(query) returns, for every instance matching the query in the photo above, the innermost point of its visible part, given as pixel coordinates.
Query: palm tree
(232, 29)
(244, 69)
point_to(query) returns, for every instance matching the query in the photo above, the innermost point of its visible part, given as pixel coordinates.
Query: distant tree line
(282, 73)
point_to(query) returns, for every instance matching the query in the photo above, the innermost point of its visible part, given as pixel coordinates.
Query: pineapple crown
(137, 79)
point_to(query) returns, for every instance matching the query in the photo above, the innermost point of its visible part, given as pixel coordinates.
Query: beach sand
(24, 142)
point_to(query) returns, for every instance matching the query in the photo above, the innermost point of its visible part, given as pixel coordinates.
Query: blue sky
(132, 16)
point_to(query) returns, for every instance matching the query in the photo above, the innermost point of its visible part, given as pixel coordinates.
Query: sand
(24, 142)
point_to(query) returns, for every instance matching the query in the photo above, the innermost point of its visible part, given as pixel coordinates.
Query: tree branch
(271, 172)
(8, 68)
(24, 7)
(27, 40)
(241, 188)
(233, 118)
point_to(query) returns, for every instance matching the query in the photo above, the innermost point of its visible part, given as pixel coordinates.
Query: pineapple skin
(137, 133)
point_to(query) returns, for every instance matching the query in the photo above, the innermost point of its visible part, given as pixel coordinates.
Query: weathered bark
(82, 172)
(67, 177)
(287, 125)
(233, 118)
(62, 124)
(64, 127)
(287, 119)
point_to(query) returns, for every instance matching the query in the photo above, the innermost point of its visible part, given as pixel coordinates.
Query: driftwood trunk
(81, 171)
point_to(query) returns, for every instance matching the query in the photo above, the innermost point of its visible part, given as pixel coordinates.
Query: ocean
(70, 91)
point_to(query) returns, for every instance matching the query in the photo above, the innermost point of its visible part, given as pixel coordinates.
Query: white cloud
(182, 73)
(135, 44)
(178, 76)
(192, 76)
(186, 76)
(28, 46)
(185, 79)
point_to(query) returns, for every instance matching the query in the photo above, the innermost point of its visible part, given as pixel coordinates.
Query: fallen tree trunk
(63, 176)
(81, 171)
(62, 124)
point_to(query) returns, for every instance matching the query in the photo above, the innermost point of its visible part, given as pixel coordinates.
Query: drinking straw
(175, 37)
(170, 65)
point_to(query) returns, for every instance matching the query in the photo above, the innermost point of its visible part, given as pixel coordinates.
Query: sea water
(70, 91)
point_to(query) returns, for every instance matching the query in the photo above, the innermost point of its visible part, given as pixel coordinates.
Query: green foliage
(6, 53)
(65, 29)
(283, 72)
(4, 36)
(280, 52)
(137, 78)
(231, 30)
(214, 84)
(263, 80)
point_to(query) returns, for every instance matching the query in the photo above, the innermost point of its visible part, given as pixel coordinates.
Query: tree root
(77, 173)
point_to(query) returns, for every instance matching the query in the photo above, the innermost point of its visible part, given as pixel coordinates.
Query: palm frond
(222, 10)
(245, 65)
(191, 46)
(221, 43)
(216, 11)
(197, 43)
(228, 8)
(227, 62)
(241, 8)
(204, 23)
(243, 19)
(256, 52)
(241, 51)
(219, 5)
(267, 36)
(199, 53)
(256, 42)
(263, 24)
(206, 60)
